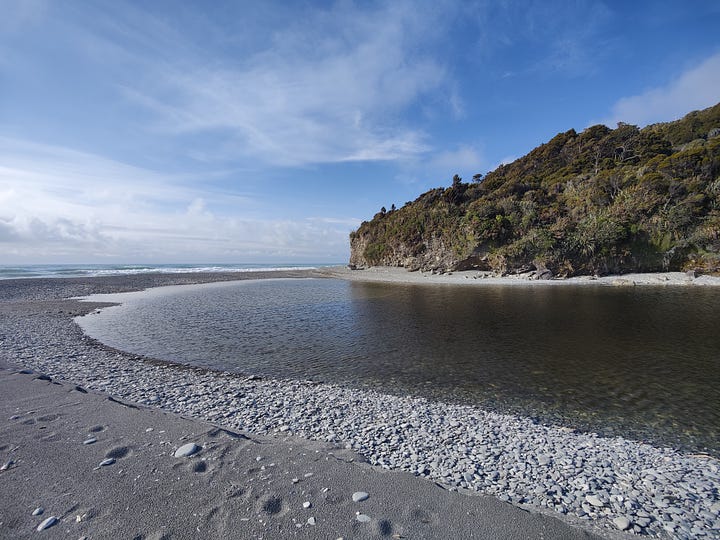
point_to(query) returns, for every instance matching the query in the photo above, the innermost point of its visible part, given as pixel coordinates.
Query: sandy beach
(283, 459)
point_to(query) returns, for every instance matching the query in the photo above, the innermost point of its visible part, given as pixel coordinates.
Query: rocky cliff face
(602, 201)
(432, 255)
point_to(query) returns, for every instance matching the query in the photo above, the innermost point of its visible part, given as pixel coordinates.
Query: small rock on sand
(38, 511)
(7, 465)
(107, 462)
(362, 518)
(187, 450)
(91, 440)
(307, 504)
(311, 521)
(359, 496)
(49, 522)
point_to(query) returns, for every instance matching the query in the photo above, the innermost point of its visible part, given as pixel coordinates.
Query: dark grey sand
(235, 486)
(657, 491)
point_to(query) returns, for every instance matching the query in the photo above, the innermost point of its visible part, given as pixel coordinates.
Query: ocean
(91, 270)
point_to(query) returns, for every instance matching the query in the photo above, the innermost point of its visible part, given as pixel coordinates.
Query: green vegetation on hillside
(601, 201)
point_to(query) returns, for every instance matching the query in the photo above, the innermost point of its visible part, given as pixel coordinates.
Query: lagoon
(643, 363)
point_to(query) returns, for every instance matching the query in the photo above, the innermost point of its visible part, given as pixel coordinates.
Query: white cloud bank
(696, 88)
(61, 205)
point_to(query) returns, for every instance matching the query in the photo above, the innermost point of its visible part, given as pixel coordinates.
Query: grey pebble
(594, 500)
(622, 523)
(360, 496)
(91, 440)
(307, 504)
(38, 511)
(311, 521)
(362, 518)
(187, 450)
(107, 462)
(49, 522)
(9, 463)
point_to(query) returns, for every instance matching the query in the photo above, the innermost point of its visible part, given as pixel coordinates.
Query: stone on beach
(38, 511)
(311, 521)
(187, 450)
(622, 523)
(107, 462)
(362, 518)
(359, 496)
(91, 440)
(49, 522)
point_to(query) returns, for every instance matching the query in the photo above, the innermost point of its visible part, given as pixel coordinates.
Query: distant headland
(603, 201)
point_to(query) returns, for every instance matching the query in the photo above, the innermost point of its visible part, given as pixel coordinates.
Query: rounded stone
(360, 496)
(49, 522)
(187, 450)
(622, 523)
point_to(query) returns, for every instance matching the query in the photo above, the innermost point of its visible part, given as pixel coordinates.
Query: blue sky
(266, 131)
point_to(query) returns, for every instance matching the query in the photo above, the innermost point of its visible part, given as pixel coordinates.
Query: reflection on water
(641, 362)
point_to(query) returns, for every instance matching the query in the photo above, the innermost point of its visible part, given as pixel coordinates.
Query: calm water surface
(639, 362)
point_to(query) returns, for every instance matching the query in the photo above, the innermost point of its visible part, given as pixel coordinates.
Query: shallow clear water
(640, 362)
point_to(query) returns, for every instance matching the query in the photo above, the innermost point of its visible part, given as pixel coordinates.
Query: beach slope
(107, 469)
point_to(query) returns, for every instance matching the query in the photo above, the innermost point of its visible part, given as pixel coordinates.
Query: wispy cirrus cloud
(696, 88)
(331, 87)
